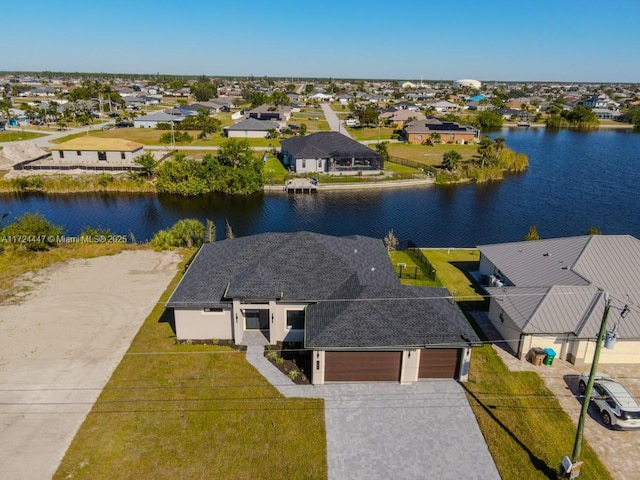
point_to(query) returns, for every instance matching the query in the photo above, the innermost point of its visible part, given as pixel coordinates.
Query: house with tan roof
(93, 151)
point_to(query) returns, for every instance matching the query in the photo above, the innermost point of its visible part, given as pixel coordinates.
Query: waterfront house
(338, 296)
(550, 294)
(96, 152)
(329, 152)
(420, 131)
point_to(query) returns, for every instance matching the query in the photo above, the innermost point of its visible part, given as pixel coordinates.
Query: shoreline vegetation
(235, 170)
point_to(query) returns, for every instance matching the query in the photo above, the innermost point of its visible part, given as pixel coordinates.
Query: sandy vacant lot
(59, 347)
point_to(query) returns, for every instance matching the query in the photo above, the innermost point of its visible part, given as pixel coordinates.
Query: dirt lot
(618, 450)
(61, 344)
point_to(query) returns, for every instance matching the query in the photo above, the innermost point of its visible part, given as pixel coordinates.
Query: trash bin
(537, 356)
(550, 355)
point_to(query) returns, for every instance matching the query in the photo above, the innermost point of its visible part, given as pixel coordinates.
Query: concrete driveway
(333, 120)
(59, 347)
(388, 431)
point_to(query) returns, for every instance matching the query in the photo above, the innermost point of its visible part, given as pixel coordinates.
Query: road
(333, 120)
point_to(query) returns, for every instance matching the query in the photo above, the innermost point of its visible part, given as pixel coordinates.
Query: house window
(295, 319)
(61, 154)
(102, 156)
(78, 153)
(304, 163)
(212, 310)
(123, 156)
(419, 137)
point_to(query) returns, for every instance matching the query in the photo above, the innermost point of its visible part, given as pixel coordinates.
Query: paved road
(334, 121)
(45, 142)
(386, 430)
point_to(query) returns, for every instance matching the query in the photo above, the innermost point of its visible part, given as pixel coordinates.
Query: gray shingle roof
(326, 145)
(390, 317)
(253, 124)
(300, 266)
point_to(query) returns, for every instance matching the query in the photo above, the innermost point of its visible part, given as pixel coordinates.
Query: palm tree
(451, 159)
(498, 144)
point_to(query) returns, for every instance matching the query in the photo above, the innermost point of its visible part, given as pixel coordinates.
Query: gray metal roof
(559, 283)
(389, 317)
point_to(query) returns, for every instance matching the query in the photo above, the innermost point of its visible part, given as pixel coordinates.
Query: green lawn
(523, 424)
(273, 171)
(18, 135)
(370, 133)
(194, 411)
(431, 156)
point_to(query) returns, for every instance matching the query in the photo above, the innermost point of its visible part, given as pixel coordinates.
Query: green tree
(148, 165)
(594, 231)
(203, 91)
(279, 98)
(210, 232)
(188, 233)
(308, 88)
(303, 129)
(451, 159)
(486, 151)
(532, 234)
(487, 120)
(499, 144)
(33, 232)
(433, 139)
(383, 149)
(367, 115)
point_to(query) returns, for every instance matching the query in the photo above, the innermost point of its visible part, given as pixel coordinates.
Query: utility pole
(577, 446)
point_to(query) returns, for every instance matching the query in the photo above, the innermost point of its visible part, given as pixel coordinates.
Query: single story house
(329, 152)
(550, 293)
(92, 151)
(419, 131)
(339, 296)
(280, 114)
(153, 119)
(401, 116)
(250, 128)
(443, 106)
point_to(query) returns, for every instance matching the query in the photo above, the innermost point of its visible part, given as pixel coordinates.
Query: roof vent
(373, 269)
(546, 254)
(355, 250)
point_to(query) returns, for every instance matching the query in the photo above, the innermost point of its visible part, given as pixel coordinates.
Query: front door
(256, 319)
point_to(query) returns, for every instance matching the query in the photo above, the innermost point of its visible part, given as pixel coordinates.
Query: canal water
(575, 180)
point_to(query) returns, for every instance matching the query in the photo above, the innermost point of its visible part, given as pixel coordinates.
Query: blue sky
(543, 40)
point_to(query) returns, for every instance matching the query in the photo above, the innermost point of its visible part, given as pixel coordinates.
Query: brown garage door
(362, 366)
(439, 363)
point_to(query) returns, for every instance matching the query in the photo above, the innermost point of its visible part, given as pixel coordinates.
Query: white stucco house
(337, 296)
(550, 294)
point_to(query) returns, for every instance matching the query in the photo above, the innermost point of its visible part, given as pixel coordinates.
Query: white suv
(618, 408)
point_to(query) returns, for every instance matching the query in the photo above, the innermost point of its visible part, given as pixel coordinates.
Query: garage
(439, 363)
(362, 366)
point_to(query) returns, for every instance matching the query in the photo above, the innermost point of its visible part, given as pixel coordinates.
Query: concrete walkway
(388, 430)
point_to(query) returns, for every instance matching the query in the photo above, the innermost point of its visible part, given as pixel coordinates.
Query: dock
(301, 185)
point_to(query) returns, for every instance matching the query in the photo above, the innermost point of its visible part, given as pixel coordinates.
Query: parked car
(294, 127)
(313, 118)
(124, 124)
(617, 406)
(114, 115)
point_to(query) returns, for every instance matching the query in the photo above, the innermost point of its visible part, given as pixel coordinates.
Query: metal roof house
(549, 293)
(338, 295)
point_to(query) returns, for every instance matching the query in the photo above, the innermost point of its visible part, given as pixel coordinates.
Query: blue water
(575, 180)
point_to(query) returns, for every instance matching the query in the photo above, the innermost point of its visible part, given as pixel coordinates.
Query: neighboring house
(444, 106)
(549, 293)
(329, 152)
(606, 114)
(406, 106)
(420, 131)
(400, 117)
(339, 296)
(279, 115)
(95, 151)
(321, 97)
(250, 128)
(152, 120)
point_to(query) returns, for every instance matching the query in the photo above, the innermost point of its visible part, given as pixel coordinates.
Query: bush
(178, 137)
(32, 232)
(184, 233)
